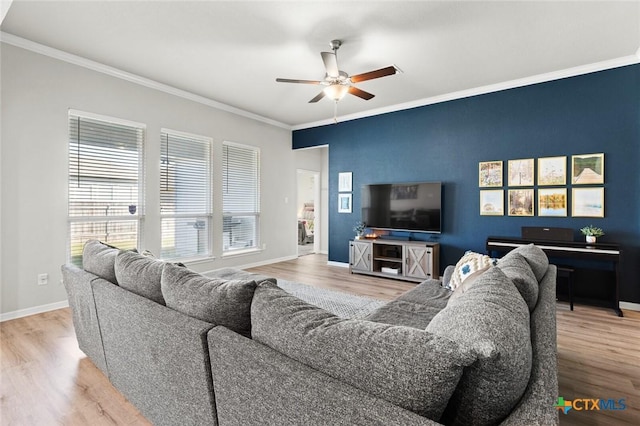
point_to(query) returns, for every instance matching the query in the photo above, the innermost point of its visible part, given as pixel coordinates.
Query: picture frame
(587, 169)
(552, 202)
(492, 202)
(521, 202)
(587, 202)
(521, 172)
(344, 203)
(489, 174)
(345, 182)
(552, 171)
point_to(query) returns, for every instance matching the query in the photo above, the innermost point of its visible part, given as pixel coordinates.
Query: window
(241, 197)
(105, 184)
(185, 195)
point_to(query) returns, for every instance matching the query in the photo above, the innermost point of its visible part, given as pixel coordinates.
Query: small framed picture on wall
(552, 202)
(345, 182)
(490, 174)
(492, 202)
(344, 203)
(521, 202)
(587, 169)
(521, 172)
(552, 171)
(587, 202)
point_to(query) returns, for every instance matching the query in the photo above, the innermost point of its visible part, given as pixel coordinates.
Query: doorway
(308, 212)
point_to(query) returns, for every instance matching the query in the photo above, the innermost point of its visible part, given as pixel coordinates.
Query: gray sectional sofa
(236, 349)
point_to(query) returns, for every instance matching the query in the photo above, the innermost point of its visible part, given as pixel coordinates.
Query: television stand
(403, 260)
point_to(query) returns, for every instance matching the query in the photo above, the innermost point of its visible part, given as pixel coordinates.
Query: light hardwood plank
(45, 379)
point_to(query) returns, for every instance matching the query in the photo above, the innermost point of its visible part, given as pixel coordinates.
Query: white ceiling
(232, 52)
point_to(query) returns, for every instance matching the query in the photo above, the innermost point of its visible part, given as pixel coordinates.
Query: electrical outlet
(43, 279)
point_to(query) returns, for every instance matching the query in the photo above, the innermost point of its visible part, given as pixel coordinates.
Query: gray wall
(37, 92)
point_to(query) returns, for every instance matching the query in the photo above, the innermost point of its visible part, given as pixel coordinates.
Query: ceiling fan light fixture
(336, 91)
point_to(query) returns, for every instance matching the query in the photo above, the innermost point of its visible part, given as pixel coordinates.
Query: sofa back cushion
(140, 275)
(99, 259)
(492, 315)
(535, 257)
(516, 268)
(411, 368)
(219, 302)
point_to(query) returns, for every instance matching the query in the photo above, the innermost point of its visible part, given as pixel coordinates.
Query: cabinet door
(360, 256)
(418, 262)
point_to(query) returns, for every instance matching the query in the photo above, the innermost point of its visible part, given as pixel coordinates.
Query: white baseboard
(630, 306)
(32, 311)
(340, 264)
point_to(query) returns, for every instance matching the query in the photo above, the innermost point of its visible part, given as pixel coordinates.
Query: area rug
(341, 304)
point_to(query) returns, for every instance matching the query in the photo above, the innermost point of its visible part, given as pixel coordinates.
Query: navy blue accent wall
(592, 113)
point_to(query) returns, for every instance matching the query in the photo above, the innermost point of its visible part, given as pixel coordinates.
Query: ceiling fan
(338, 83)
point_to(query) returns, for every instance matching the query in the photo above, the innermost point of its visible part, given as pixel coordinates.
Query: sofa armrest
(256, 385)
(536, 407)
(77, 283)
(157, 357)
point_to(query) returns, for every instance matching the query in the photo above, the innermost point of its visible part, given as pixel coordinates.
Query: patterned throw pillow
(467, 265)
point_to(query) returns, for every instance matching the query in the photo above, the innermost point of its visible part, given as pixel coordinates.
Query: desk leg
(616, 306)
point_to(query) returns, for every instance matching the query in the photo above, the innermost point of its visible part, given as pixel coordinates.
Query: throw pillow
(215, 301)
(140, 275)
(99, 259)
(492, 315)
(468, 282)
(408, 367)
(516, 268)
(467, 265)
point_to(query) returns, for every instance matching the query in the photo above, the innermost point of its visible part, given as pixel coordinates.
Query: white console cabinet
(403, 260)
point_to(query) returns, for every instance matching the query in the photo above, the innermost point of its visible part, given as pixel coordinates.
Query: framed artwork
(492, 202)
(552, 202)
(552, 171)
(345, 182)
(521, 172)
(344, 203)
(490, 174)
(521, 202)
(587, 202)
(587, 169)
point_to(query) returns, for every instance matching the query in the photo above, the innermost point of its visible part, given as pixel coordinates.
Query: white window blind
(241, 197)
(105, 183)
(185, 195)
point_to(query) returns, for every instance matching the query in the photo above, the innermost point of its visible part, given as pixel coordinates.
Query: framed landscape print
(552, 202)
(552, 170)
(345, 181)
(587, 202)
(521, 172)
(587, 169)
(521, 202)
(490, 173)
(344, 203)
(492, 202)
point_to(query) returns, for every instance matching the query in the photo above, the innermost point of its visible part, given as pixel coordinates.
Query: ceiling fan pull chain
(335, 112)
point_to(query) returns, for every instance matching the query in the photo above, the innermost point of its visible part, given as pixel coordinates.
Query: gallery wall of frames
(547, 186)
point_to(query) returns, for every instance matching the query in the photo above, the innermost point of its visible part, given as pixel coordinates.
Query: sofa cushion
(411, 368)
(215, 301)
(535, 257)
(140, 275)
(467, 265)
(492, 315)
(414, 308)
(516, 268)
(99, 259)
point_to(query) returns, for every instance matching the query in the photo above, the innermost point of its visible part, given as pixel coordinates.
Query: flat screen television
(414, 207)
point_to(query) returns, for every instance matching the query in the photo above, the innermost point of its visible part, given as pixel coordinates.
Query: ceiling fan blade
(360, 93)
(331, 64)
(382, 72)
(288, 80)
(317, 98)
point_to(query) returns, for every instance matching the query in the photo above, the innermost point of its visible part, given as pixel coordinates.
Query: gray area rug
(344, 305)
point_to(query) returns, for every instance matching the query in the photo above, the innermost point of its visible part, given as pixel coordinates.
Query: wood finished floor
(46, 380)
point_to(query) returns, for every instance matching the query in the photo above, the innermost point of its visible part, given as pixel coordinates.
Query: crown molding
(130, 77)
(521, 82)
